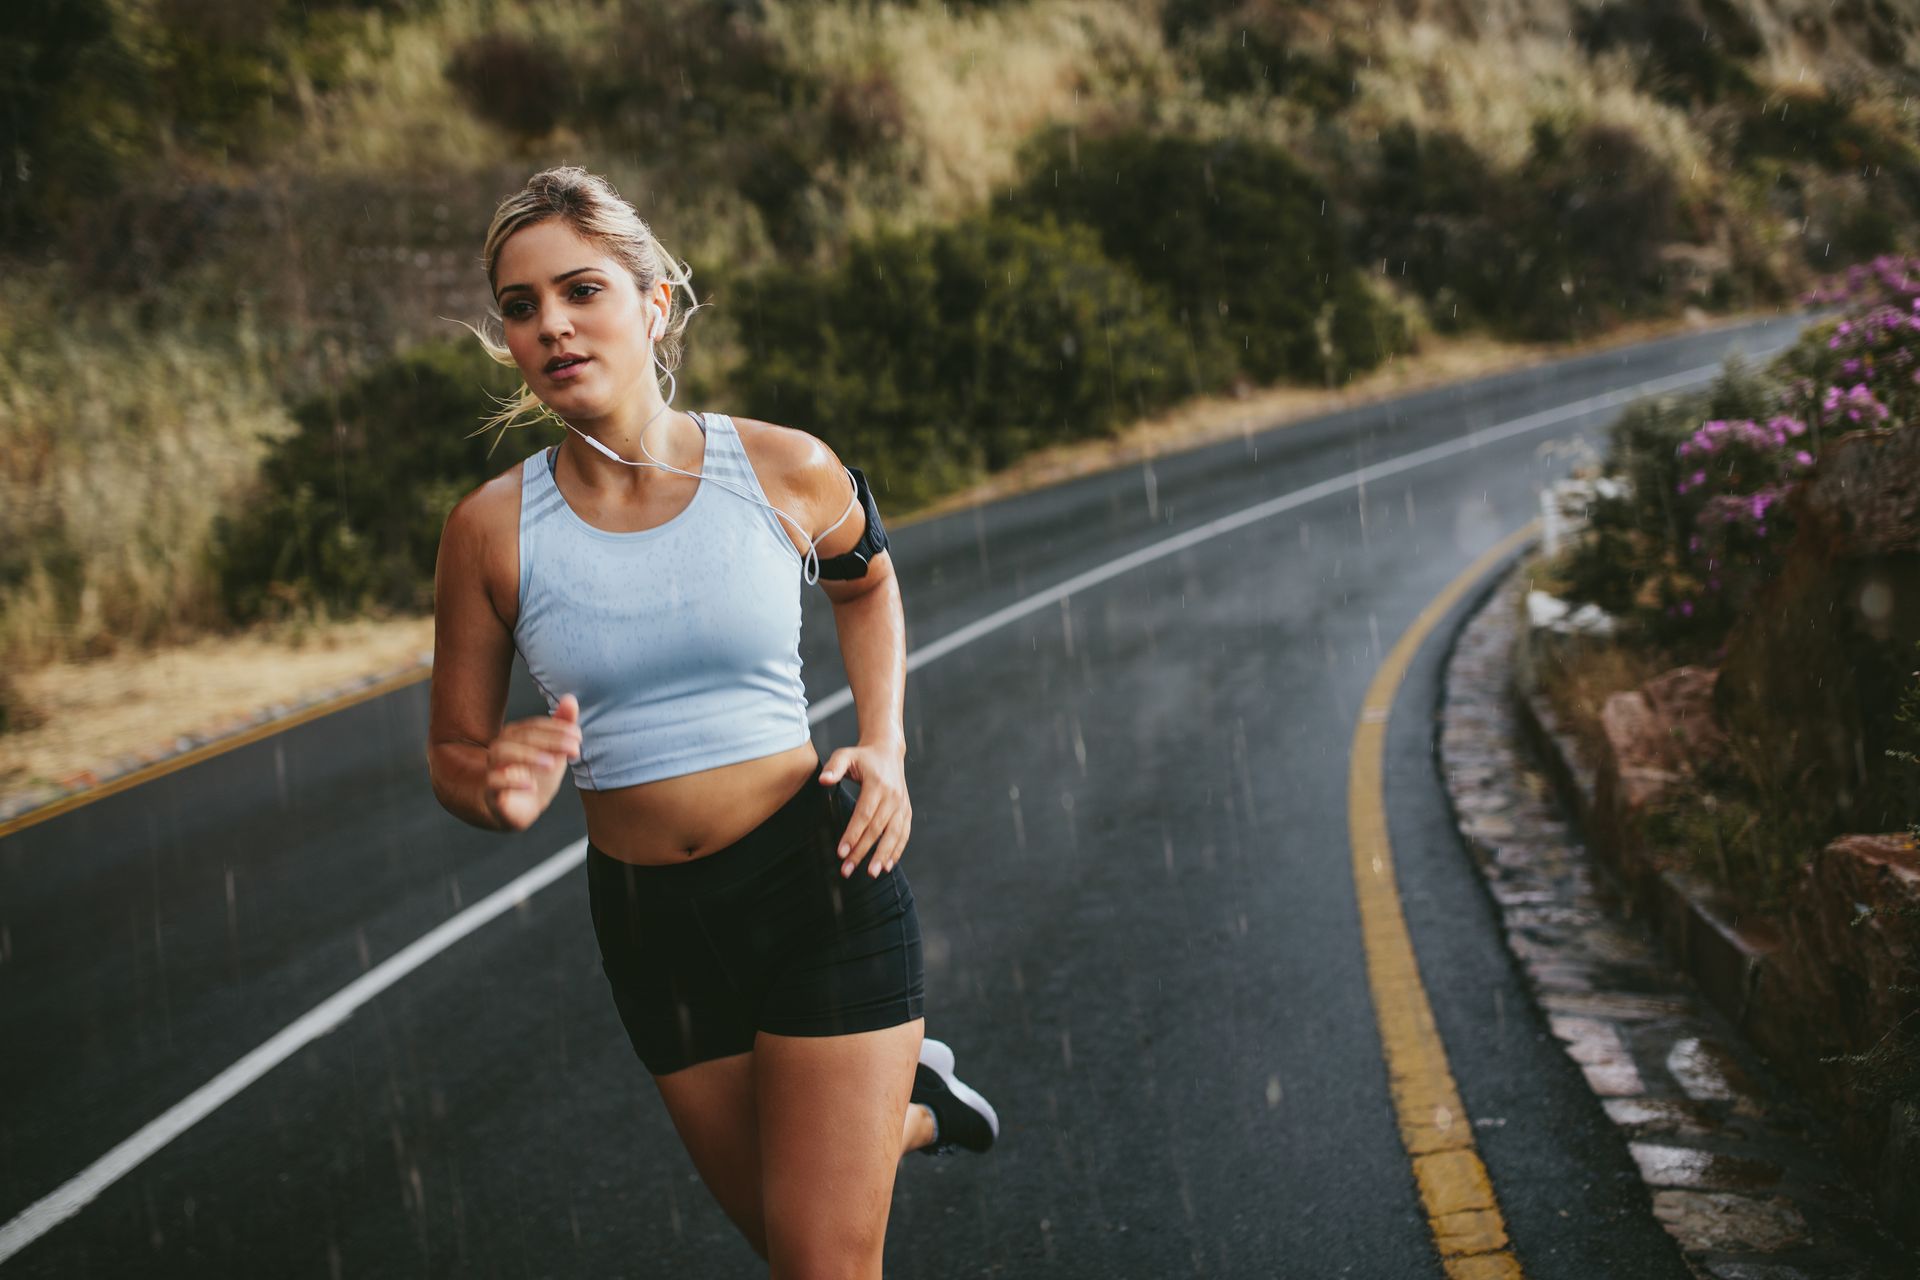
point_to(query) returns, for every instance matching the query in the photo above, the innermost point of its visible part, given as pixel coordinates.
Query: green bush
(354, 501)
(1637, 563)
(517, 84)
(1256, 50)
(62, 140)
(677, 76)
(1686, 53)
(1807, 123)
(1559, 248)
(930, 355)
(1245, 248)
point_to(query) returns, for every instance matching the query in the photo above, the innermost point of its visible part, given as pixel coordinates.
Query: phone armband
(853, 563)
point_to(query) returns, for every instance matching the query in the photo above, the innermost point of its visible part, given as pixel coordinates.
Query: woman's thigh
(713, 1109)
(830, 1114)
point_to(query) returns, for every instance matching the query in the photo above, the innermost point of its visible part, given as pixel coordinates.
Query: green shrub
(1433, 212)
(1559, 248)
(676, 76)
(1807, 123)
(932, 354)
(354, 501)
(63, 141)
(1686, 53)
(1245, 248)
(1257, 50)
(518, 84)
(1640, 562)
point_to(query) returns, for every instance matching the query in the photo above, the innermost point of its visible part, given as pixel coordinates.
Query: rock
(1566, 505)
(1551, 613)
(1735, 1223)
(1660, 734)
(1816, 664)
(1683, 700)
(1855, 934)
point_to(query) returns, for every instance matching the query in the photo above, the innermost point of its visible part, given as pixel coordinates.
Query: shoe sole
(937, 1055)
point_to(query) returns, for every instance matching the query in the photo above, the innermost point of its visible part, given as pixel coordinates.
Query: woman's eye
(521, 309)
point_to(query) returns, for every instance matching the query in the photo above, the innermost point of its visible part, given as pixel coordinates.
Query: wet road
(1132, 861)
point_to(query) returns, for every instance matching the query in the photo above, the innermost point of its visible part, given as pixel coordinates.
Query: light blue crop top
(682, 642)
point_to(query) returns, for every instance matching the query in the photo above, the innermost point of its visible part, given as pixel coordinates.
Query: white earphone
(810, 570)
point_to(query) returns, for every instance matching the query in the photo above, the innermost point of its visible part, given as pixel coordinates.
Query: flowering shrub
(1709, 475)
(1866, 371)
(1735, 474)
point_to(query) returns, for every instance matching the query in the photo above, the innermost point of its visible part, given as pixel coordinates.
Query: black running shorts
(763, 935)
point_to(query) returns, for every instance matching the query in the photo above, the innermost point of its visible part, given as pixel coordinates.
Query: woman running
(759, 938)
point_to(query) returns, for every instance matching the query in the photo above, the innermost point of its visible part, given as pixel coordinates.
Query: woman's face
(562, 296)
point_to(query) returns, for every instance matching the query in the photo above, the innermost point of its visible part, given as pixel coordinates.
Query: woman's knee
(828, 1243)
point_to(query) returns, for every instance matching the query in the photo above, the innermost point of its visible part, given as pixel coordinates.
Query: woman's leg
(918, 1130)
(832, 1111)
(713, 1108)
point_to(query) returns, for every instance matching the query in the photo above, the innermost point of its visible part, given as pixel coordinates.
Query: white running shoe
(965, 1119)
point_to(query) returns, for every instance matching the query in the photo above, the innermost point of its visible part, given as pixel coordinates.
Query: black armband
(853, 564)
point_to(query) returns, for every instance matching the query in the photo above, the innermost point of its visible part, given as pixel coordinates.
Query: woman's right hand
(526, 761)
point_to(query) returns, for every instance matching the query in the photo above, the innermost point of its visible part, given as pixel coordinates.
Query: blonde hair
(587, 203)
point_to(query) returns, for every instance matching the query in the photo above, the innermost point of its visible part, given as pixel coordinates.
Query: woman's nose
(555, 324)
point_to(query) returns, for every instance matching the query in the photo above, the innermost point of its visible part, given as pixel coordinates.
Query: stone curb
(23, 804)
(1725, 963)
(1741, 1173)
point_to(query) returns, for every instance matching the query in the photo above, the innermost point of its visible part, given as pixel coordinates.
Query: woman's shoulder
(798, 461)
(491, 507)
(481, 536)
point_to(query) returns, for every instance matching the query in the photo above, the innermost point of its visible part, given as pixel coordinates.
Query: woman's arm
(871, 623)
(488, 775)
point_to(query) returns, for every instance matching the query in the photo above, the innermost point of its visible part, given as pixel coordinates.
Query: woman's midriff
(677, 819)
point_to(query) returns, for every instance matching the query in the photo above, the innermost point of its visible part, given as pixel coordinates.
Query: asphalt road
(1131, 857)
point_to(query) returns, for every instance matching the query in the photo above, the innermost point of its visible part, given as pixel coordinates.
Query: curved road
(1132, 856)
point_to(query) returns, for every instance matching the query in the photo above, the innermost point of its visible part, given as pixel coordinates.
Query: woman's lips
(566, 371)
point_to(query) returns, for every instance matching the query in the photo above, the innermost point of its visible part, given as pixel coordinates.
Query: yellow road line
(1461, 1208)
(186, 759)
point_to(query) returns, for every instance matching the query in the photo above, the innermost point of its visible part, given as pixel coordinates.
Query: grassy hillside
(232, 230)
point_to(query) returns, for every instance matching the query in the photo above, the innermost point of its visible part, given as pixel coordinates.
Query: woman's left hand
(883, 813)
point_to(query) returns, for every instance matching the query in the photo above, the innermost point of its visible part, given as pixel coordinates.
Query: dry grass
(1491, 93)
(975, 83)
(96, 711)
(393, 109)
(119, 450)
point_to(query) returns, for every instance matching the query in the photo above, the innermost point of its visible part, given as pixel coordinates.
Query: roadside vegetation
(1767, 536)
(939, 235)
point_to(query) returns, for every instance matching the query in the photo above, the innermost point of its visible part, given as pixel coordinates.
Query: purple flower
(1804, 458)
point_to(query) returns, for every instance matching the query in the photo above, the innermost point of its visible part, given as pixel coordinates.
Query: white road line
(51, 1210)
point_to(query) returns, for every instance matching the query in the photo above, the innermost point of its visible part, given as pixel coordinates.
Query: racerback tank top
(682, 642)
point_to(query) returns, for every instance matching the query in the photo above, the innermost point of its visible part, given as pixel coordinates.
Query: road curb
(1738, 1170)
